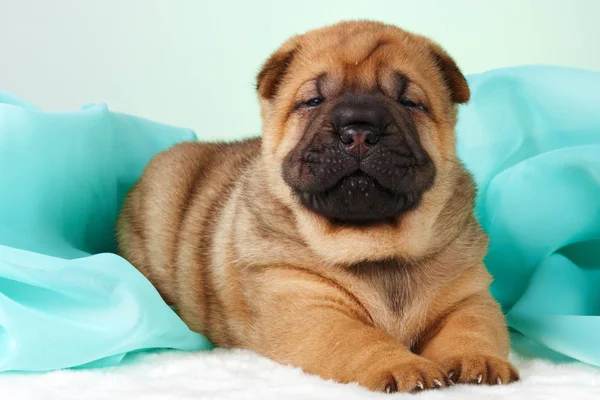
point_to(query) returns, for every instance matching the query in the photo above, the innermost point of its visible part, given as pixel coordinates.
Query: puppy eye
(314, 102)
(412, 105)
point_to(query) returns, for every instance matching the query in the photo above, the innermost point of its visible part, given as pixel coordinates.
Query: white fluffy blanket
(227, 374)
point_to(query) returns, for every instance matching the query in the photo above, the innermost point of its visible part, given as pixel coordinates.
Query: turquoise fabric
(65, 299)
(530, 136)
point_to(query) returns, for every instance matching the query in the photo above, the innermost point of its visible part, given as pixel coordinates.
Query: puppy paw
(413, 374)
(479, 369)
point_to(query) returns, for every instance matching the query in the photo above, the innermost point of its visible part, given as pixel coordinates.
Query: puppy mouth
(358, 199)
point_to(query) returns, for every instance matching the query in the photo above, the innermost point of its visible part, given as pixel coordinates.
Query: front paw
(479, 369)
(410, 374)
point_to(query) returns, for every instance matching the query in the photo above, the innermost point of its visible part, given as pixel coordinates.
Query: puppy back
(169, 215)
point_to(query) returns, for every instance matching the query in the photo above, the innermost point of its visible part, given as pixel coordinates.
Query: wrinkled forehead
(364, 61)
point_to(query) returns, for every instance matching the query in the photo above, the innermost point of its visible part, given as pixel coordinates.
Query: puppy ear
(454, 78)
(273, 71)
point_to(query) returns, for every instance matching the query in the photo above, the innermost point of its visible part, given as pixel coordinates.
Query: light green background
(192, 63)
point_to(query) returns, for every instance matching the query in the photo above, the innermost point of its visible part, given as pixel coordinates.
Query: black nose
(360, 119)
(359, 138)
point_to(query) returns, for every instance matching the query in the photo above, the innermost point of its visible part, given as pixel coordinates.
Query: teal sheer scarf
(530, 136)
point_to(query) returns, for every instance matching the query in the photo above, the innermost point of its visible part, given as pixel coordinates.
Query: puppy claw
(480, 369)
(410, 375)
(450, 382)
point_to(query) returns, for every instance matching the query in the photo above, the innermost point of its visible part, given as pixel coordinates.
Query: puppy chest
(396, 302)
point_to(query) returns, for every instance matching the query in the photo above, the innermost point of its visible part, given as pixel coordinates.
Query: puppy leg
(471, 343)
(310, 322)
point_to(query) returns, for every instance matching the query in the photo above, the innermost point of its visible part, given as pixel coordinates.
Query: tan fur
(397, 306)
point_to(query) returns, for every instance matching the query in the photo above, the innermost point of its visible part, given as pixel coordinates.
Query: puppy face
(358, 123)
(359, 160)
